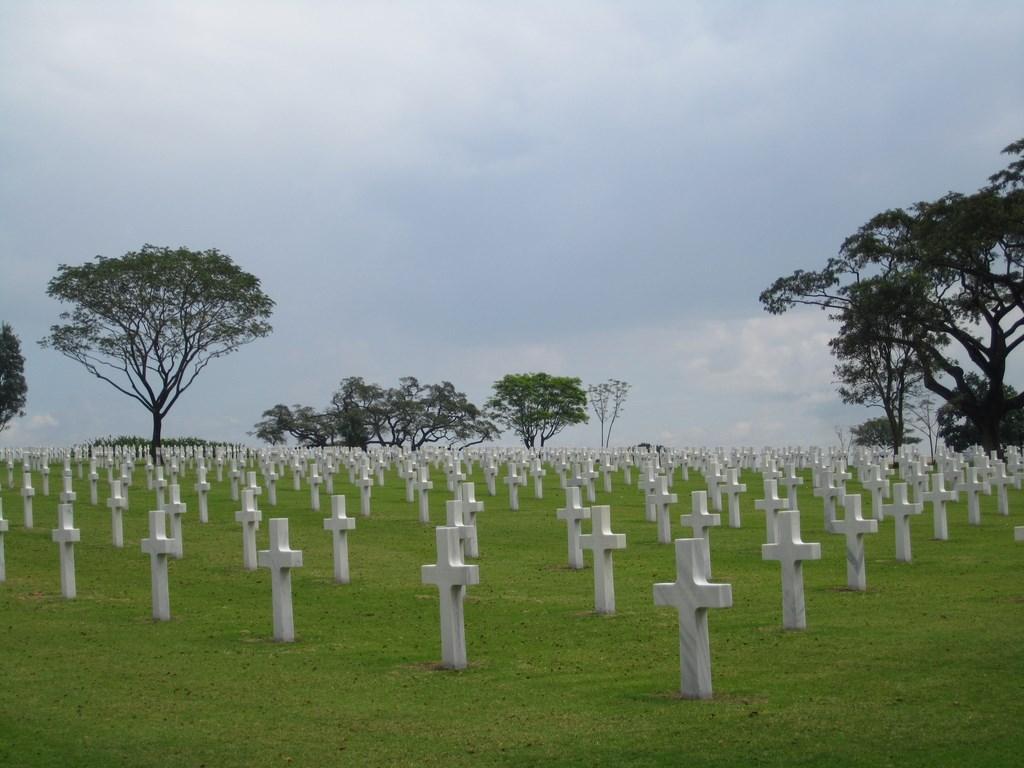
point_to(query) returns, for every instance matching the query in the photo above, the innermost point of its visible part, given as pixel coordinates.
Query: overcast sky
(459, 190)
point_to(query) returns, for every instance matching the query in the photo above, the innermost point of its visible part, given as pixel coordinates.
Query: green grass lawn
(926, 668)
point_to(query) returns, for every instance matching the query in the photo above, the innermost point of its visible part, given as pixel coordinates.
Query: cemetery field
(925, 668)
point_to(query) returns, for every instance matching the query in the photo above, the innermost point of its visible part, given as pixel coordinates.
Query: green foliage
(149, 322)
(538, 405)
(941, 281)
(139, 442)
(13, 387)
(877, 433)
(362, 414)
(958, 433)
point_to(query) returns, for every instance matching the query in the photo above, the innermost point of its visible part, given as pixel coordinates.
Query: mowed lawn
(926, 668)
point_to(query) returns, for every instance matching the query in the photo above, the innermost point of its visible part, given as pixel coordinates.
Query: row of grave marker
(693, 559)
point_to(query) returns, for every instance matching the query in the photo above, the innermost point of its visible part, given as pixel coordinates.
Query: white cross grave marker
(65, 535)
(175, 510)
(470, 508)
(203, 490)
(791, 551)
(732, 487)
(339, 524)
(158, 547)
(659, 500)
(424, 485)
(573, 514)
(117, 504)
(513, 483)
(691, 595)
(365, 491)
(4, 527)
(771, 505)
(27, 492)
(972, 486)
(451, 576)
(901, 509)
(602, 542)
(790, 480)
(853, 526)
(280, 559)
(249, 516)
(938, 496)
(700, 520)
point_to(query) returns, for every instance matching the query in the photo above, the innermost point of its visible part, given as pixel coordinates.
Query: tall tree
(13, 387)
(943, 280)
(149, 322)
(537, 406)
(607, 400)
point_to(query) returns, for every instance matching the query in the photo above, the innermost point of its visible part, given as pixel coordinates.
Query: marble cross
(365, 491)
(602, 542)
(314, 487)
(470, 509)
(853, 526)
(249, 516)
(424, 485)
(998, 479)
(117, 504)
(791, 551)
(938, 496)
(66, 535)
(771, 505)
(513, 482)
(829, 492)
(659, 500)
(901, 510)
(160, 484)
(878, 486)
(158, 547)
(68, 496)
(280, 559)
(4, 527)
(573, 514)
(175, 510)
(732, 488)
(790, 480)
(203, 489)
(454, 509)
(972, 486)
(691, 595)
(451, 576)
(537, 472)
(27, 492)
(339, 524)
(700, 520)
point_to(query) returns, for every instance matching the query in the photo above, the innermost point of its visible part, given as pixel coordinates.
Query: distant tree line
(534, 406)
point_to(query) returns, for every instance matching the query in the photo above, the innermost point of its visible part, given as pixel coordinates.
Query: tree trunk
(988, 430)
(155, 442)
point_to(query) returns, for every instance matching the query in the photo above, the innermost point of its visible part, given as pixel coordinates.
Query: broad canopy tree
(13, 387)
(537, 406)
(942, 282)
(149, 322)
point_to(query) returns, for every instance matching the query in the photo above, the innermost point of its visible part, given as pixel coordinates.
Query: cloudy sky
(459, 190)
